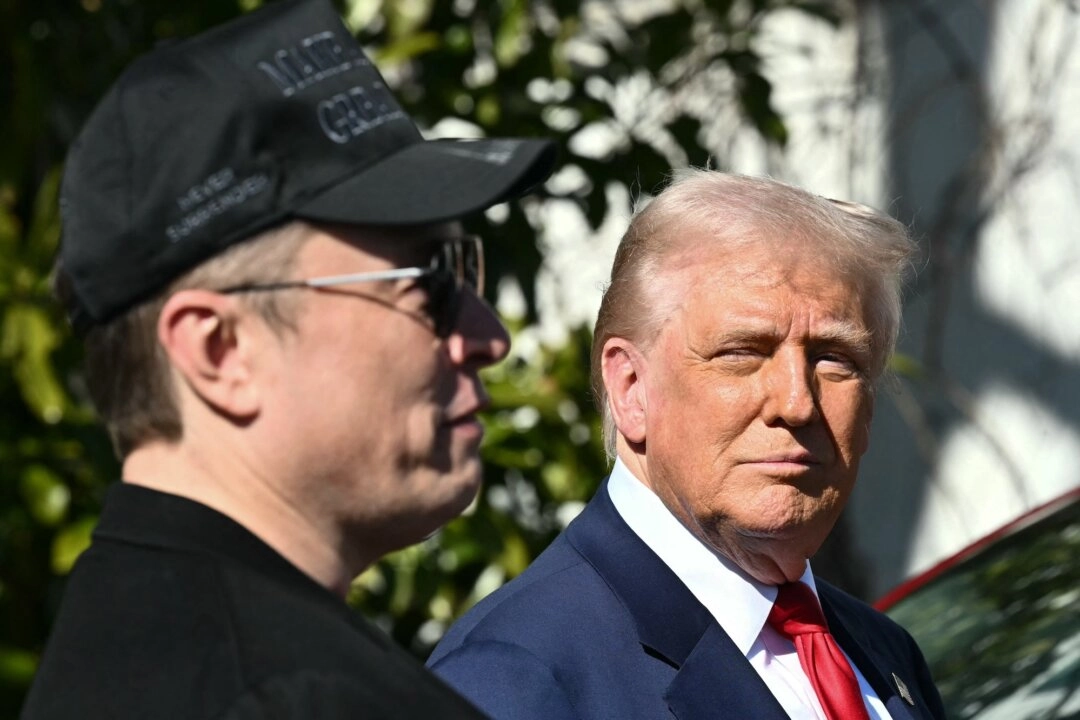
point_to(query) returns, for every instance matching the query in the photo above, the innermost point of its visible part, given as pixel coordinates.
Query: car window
(1001, 630)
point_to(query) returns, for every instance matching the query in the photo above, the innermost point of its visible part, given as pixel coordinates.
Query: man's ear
(623, 368)
(202, 333)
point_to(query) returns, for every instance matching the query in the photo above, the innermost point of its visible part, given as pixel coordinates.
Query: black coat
(176, 611)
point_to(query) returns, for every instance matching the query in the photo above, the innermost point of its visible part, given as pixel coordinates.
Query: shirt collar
(739, 603)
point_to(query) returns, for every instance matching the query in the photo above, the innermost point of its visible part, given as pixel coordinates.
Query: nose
(479, 337)
(790, 395)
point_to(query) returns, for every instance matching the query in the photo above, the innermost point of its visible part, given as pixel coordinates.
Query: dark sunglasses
(456, 264)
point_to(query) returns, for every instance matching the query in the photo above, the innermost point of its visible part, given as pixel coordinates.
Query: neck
(770, 562)
(222, 479)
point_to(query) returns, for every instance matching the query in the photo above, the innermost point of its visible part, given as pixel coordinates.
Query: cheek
(422, 393)
(681, 397)
(849, 414)
(697, 417)
(422, 433)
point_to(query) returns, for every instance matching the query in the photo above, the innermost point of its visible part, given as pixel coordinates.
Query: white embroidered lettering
(208, 187)
(350, 114)
(312, 60)
(224, 197)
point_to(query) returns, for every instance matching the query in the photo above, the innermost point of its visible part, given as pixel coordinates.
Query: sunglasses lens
(472, 263)
(458, 264)
(442, 302)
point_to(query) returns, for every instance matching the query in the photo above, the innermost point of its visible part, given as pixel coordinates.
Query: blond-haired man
(735, 357)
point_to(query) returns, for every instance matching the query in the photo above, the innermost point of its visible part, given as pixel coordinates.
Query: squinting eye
(833, 358)
(836, 362)
(742, 353)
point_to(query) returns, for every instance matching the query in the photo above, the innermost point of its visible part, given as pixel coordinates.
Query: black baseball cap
(273, 116)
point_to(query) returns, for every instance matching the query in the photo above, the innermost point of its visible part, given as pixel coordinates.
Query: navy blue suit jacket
(599, 627)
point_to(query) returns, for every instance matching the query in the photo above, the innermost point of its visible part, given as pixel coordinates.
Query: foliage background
(506, 67)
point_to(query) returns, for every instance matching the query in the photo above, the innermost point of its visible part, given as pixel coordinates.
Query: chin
(469, 490)
(783, 526)
(461, 489)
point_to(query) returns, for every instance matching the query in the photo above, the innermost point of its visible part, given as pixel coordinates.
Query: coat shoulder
(557, 592)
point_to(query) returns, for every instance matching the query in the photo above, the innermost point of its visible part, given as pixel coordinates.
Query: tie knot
(796, 611)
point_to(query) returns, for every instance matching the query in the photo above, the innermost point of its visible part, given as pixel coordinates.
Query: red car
(999, 622)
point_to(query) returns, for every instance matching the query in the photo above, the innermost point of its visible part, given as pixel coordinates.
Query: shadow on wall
(953, 167)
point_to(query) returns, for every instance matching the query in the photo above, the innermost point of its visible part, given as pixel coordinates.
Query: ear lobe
(622, 367)
(201, 333)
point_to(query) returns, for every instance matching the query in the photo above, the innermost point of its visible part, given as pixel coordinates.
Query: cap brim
(435, 181)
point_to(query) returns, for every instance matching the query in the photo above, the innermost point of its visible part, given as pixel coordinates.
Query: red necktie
(797, 615)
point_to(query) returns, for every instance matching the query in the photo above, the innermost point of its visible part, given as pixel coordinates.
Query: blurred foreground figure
(735, 358)
(283, 327)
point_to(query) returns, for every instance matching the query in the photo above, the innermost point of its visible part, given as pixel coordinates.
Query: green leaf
(558, 478)
(403, 565)
(17, 666)
(47, 497)
(43, 235)
(406, 17)
(458, 39)
(9, 226)
(27, 338)
(407, 48)
(69, 544)
(515, 556)
(906, 366)
(511, 40)
(489, 110)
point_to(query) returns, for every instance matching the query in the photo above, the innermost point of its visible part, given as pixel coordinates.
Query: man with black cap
(283, 329)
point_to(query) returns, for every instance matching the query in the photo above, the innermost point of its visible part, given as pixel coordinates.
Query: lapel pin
(904, 692)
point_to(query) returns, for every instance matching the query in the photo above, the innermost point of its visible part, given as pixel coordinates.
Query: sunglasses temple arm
(395, 274)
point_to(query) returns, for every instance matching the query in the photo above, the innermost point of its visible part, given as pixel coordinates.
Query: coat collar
(671, 624)
(669, 619)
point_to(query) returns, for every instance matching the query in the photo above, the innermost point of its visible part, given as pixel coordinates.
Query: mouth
(462, 413)
(468, 418)
(467, 422)
(798, 458)
(786, 462)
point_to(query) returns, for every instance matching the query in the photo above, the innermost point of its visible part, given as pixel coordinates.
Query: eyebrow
(837, 333)
(848, 335)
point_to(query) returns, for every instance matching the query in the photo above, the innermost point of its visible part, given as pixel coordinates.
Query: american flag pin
(904, 692)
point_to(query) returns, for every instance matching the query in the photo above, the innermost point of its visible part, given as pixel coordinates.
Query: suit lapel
(874, 666)
(716, 681)
(713, 677)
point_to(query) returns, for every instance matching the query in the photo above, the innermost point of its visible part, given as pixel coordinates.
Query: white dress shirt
(740, 604)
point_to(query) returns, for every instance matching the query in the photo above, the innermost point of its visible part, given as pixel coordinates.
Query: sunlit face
(377, 413)
(758, 400)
